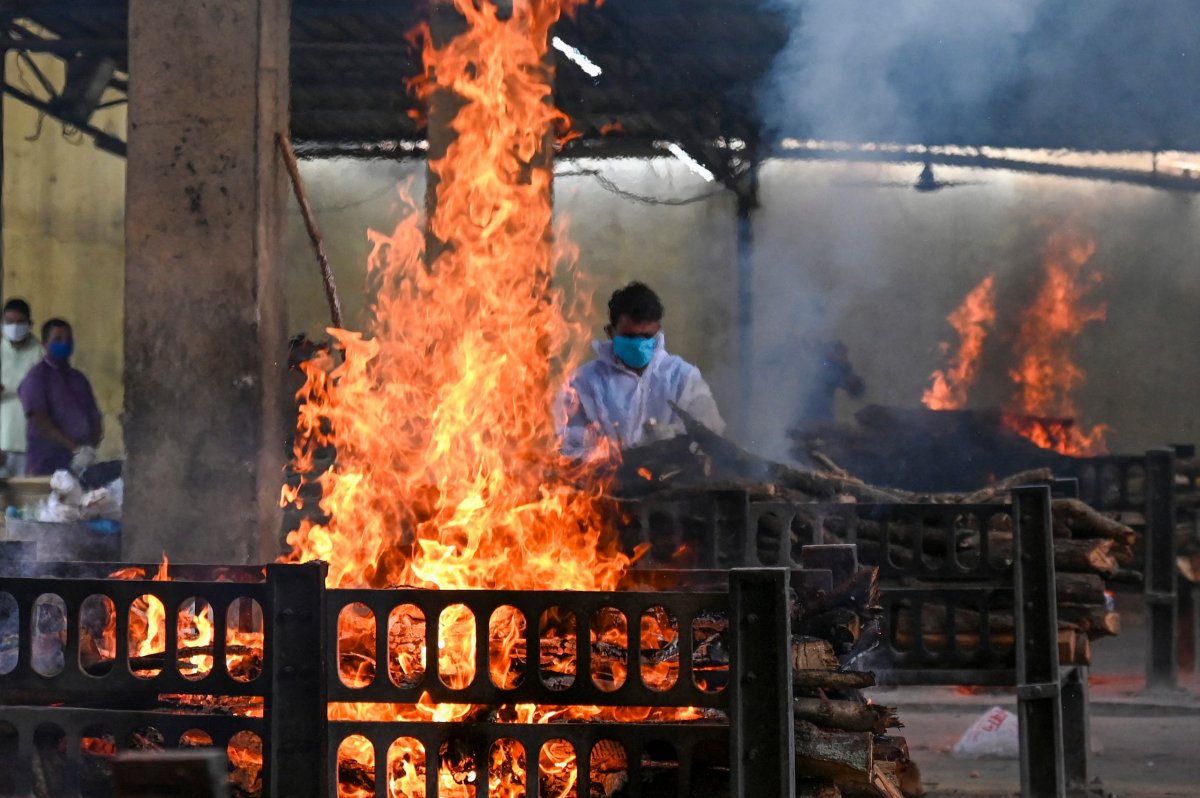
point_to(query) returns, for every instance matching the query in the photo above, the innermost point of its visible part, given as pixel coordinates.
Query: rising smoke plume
(1082, 74)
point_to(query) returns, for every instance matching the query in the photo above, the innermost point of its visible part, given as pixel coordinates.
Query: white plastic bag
(57, 510)
(100, 503)
(64, 484)
(994, 734)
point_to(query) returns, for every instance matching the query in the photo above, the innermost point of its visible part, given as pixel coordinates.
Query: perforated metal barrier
(950, 615)
(1143, 489)
(705, 683)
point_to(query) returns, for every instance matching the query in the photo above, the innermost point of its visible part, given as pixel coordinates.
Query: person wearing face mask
(626, 393)
(65, 424)
(19, 352)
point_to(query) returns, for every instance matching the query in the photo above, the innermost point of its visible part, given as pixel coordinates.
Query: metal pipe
(310, 224)
(980, 161)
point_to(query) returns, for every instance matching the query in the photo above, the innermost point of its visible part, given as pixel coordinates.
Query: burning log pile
(921, 449)
(1090, 548)
(844, 742)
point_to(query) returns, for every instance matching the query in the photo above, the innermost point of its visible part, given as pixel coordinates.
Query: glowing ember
(1046, 375)
(972, 321)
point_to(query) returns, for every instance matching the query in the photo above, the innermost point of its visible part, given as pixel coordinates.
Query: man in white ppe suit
(626, 393)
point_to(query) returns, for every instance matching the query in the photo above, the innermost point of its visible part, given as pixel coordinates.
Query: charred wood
(844, 757)
(833, 680)
(851, 716)
(1084, 521)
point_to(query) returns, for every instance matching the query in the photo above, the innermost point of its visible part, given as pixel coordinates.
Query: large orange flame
(446, 472)
(972, 320)
(1046, 375)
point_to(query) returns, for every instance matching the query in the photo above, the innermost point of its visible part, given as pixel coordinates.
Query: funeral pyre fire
(1044, 375)
(447, 473)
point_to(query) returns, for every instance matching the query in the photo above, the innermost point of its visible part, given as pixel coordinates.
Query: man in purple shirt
(64, 420)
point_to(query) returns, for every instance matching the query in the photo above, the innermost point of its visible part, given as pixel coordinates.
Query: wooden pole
(310, 224)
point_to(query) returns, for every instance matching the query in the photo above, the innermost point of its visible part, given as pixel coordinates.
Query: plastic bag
(994, 734)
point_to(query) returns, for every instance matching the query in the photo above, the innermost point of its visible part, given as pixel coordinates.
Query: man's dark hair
(20, 306)
(53, 324)
(637, 301)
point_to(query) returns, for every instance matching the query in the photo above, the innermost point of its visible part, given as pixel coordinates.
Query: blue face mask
(61, 350)
(634, 352)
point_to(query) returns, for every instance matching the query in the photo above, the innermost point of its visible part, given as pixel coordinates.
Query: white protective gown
(605, 397)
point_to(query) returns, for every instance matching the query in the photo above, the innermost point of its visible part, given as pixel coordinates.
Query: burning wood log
(728, 456)
(851, 716)
(818, 679)
(1086, 522)
(1000, 488)
(1092, 556)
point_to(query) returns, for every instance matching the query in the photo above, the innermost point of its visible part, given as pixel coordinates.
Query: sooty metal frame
(1145, 485)
(757, 699)
(733, 530)
(300, 678)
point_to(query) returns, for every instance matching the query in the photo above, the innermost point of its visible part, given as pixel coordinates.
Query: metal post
(762, 735)
(295, 696)
(1162, 669)
(1076, 726)
(1039, 700)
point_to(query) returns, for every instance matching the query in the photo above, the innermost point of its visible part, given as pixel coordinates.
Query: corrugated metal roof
(693, 71)
(672, 68)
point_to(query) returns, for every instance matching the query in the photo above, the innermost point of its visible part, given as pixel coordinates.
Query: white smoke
(1100, 74)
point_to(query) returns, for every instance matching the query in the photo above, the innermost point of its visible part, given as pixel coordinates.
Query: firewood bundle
(844, 742)
(1090, 548)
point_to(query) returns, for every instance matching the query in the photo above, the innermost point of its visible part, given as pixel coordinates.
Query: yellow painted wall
(64, 237)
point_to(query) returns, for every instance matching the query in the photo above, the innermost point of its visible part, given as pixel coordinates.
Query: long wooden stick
(310, 223)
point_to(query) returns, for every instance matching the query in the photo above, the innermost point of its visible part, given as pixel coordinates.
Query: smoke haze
(1083, 74)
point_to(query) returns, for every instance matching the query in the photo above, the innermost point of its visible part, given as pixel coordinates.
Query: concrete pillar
(205, 316)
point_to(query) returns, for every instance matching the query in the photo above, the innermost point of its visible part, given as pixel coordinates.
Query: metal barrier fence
(726, 528)
(60, 691)
(1145, 486)
(59, 695)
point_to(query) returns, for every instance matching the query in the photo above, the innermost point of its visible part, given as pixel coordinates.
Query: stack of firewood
(843, 740)
(1090, 548)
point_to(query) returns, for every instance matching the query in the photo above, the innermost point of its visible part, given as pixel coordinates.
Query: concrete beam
(205, 315)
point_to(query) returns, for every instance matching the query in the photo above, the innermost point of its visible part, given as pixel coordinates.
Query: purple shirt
(65, 396)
